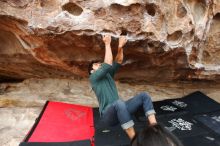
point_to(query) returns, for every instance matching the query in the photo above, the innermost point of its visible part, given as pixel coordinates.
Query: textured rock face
(167, 40)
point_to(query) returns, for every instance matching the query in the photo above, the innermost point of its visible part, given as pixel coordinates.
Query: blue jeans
(121, 111)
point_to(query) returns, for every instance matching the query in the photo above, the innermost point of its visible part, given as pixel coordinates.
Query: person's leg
(152, 119)
(130, 132)
(142, 100)
(124, 118)
(109, 117)
(118, 112)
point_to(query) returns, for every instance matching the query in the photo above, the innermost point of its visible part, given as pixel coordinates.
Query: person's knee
(145, 95)
(119, 105)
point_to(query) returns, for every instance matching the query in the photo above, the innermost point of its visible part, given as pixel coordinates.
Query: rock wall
(167, 40)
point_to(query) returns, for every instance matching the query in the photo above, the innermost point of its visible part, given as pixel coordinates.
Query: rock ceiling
(167, 40)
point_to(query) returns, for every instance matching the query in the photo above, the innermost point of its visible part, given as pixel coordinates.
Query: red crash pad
(62, 122)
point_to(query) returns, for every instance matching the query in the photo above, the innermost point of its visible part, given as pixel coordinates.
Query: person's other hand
(122, 41)
(107, 39)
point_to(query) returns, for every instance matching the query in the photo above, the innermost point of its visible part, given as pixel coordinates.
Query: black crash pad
(210, 120)
(177, 115)
(201, 140)
(74, 143)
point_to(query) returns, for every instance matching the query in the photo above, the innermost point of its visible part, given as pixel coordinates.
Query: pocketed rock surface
(167, 40)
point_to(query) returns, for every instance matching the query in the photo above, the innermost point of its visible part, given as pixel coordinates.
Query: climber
(112, 108)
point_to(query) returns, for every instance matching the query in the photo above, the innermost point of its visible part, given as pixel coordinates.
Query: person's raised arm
(120, 55)
(107, 65)
(108, 51)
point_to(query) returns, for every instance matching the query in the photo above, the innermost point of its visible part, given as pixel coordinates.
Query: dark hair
(155, 135)
(91, 64)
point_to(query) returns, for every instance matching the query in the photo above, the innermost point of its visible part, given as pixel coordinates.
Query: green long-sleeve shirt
(103, 84)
